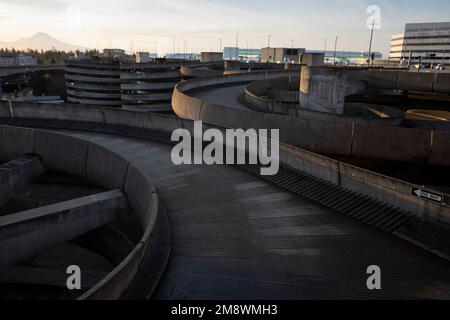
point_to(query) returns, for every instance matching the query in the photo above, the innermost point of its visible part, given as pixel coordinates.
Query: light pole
(246, 54)
(220, 40)
(335, 49)
(370, 45)
(268, 47)
(237, 47)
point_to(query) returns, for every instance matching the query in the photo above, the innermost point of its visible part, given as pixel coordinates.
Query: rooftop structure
(211, 57)
(145, 57)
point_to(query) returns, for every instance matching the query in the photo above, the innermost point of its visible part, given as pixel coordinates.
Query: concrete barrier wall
(318, 136)
(102, 166)
(440, 151)
(61, 153)
(90, 114)
(408, 81)
(200, 71)
(414, 145)
(268, 96)
(16, 174)
(21, 144)
(332, 135)
(442, 83)
(378, 186)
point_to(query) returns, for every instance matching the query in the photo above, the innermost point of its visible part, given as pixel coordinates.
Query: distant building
(281, 55)
(211, 57)
(143, 57)
(113, 53)
(233, 53)
(17, 60)
(121, 83)
(425, 42)
(347, 57)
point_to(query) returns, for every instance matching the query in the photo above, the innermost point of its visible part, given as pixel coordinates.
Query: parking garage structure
(149, 86)
(94, 82)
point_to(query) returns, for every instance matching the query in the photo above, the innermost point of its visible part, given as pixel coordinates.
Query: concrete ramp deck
(228, 96)
(235, 236)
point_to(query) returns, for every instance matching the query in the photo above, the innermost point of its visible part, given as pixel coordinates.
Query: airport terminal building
(424, 42)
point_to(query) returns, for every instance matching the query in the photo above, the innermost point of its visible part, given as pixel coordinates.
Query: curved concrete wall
(408, 81)
(340, 137)
(86, 159)
(201, 71)
(381, 187)
(270, 95)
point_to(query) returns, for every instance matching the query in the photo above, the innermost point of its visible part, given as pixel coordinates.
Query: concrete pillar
(324, 89)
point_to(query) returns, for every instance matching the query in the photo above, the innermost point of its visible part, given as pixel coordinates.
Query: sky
(149, 25)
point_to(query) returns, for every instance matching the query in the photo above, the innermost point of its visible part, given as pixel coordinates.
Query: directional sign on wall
(429, 195)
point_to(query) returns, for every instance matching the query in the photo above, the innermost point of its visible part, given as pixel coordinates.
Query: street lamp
(237, 47)
(370, 45)
(268, 47)
(335, 49)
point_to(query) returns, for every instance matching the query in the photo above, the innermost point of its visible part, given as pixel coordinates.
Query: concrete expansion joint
(126, 178)
(430, 152)
(434, 85)
(352, 137)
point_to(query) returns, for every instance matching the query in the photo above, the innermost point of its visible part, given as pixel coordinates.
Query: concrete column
(324, 89)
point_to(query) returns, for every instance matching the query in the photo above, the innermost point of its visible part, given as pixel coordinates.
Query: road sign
(429, 195)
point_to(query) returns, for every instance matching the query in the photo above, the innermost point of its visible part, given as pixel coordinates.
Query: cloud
(203, 22)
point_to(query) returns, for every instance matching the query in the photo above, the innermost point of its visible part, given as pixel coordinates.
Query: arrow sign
(429, 195)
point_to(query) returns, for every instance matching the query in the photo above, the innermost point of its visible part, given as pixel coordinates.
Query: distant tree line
(47, 56)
